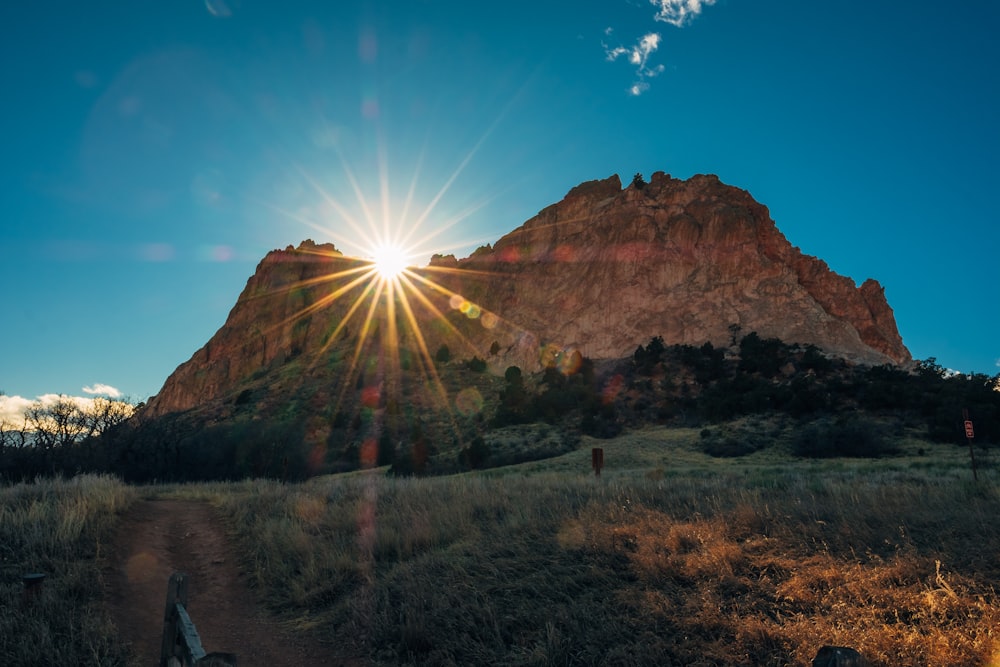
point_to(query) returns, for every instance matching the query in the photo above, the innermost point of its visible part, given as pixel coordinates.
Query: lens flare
(379, 312)
(390, 261)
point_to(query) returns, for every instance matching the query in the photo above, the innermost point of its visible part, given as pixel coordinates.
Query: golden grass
(58, 528)
(671, 558)
(703, 563)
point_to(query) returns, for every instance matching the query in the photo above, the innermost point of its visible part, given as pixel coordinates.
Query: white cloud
(638, 88)
(12, 409)
(638, 55)
(613, 54)
(679, 12)
(647, 45)
(103, 390)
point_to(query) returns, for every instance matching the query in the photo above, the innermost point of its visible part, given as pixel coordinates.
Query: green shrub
(728, 446)
(844, 436)
(762, 355)
(476, 455)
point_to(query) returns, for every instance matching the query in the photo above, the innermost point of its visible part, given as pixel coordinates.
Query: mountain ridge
(597, 273)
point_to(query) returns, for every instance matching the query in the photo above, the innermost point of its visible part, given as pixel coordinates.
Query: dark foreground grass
(724, 569)
(693, 565)
(58, 528)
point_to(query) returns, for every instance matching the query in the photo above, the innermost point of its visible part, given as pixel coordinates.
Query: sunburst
(378, 344)
(384, 302)
(390, 260)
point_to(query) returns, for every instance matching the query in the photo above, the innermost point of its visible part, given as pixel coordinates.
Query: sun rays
(372, 320)
(389, 261)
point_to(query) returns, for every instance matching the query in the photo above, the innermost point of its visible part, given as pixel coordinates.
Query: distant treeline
(760, 375)
(682, 385)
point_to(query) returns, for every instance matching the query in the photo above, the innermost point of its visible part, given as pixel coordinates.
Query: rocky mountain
(600, 272)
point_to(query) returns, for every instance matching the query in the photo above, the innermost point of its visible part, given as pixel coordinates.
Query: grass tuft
(58, 528)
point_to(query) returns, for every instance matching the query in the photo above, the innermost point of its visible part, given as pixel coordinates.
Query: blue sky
(153, 152)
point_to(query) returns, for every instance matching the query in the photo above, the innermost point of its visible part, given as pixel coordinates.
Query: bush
(762, 355)
(476, 455)
(739, 439)
(728, 446)
(844, 436)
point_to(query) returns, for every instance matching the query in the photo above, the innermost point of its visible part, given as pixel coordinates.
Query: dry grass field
(59, 528)
(671, 557)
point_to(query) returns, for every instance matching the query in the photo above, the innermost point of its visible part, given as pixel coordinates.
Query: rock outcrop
(605, 269)
(600, 272)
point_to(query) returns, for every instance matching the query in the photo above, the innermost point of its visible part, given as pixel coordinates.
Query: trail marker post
(970, 433)
(597, 460)
(31, 587)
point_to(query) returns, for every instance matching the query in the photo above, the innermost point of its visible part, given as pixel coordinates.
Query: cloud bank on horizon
(677, 13)
(14, 408)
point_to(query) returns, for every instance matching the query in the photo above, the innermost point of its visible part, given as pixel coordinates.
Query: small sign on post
(597, 460)
(969, 435)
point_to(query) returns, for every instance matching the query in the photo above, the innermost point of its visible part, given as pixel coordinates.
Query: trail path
(159, 537)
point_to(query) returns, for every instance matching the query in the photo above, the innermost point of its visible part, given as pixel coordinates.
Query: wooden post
(597, 460)
(192, 649)
(177, 592)
(181, 644)
(969, 435)
(32, 587)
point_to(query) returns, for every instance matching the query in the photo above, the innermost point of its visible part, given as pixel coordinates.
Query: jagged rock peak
(599, 273)
(606, 268)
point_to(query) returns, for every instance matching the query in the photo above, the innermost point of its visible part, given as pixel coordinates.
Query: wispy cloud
(615, 52)
(677, 13)
(638, 55)
(103, 390)
(641, 52)
(638, 88)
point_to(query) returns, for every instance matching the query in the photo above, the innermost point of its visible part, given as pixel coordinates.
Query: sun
(389, 260)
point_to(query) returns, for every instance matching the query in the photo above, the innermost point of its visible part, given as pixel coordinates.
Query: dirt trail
(159, 537)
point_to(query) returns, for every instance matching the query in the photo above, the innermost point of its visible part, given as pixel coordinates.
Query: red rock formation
(605, 269)
(600, 272)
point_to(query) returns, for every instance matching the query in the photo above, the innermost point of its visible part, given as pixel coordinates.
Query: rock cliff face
(605, 269)
(600, 272)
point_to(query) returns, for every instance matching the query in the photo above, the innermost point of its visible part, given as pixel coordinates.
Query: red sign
(969, 433)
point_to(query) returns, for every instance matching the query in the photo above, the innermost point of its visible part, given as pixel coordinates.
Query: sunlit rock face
(284, 312)
(606, 269)
(600, 272)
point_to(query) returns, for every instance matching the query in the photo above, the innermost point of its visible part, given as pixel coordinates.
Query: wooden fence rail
(181, 646)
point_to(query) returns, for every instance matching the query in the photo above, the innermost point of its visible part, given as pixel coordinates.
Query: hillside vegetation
(457, 416)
